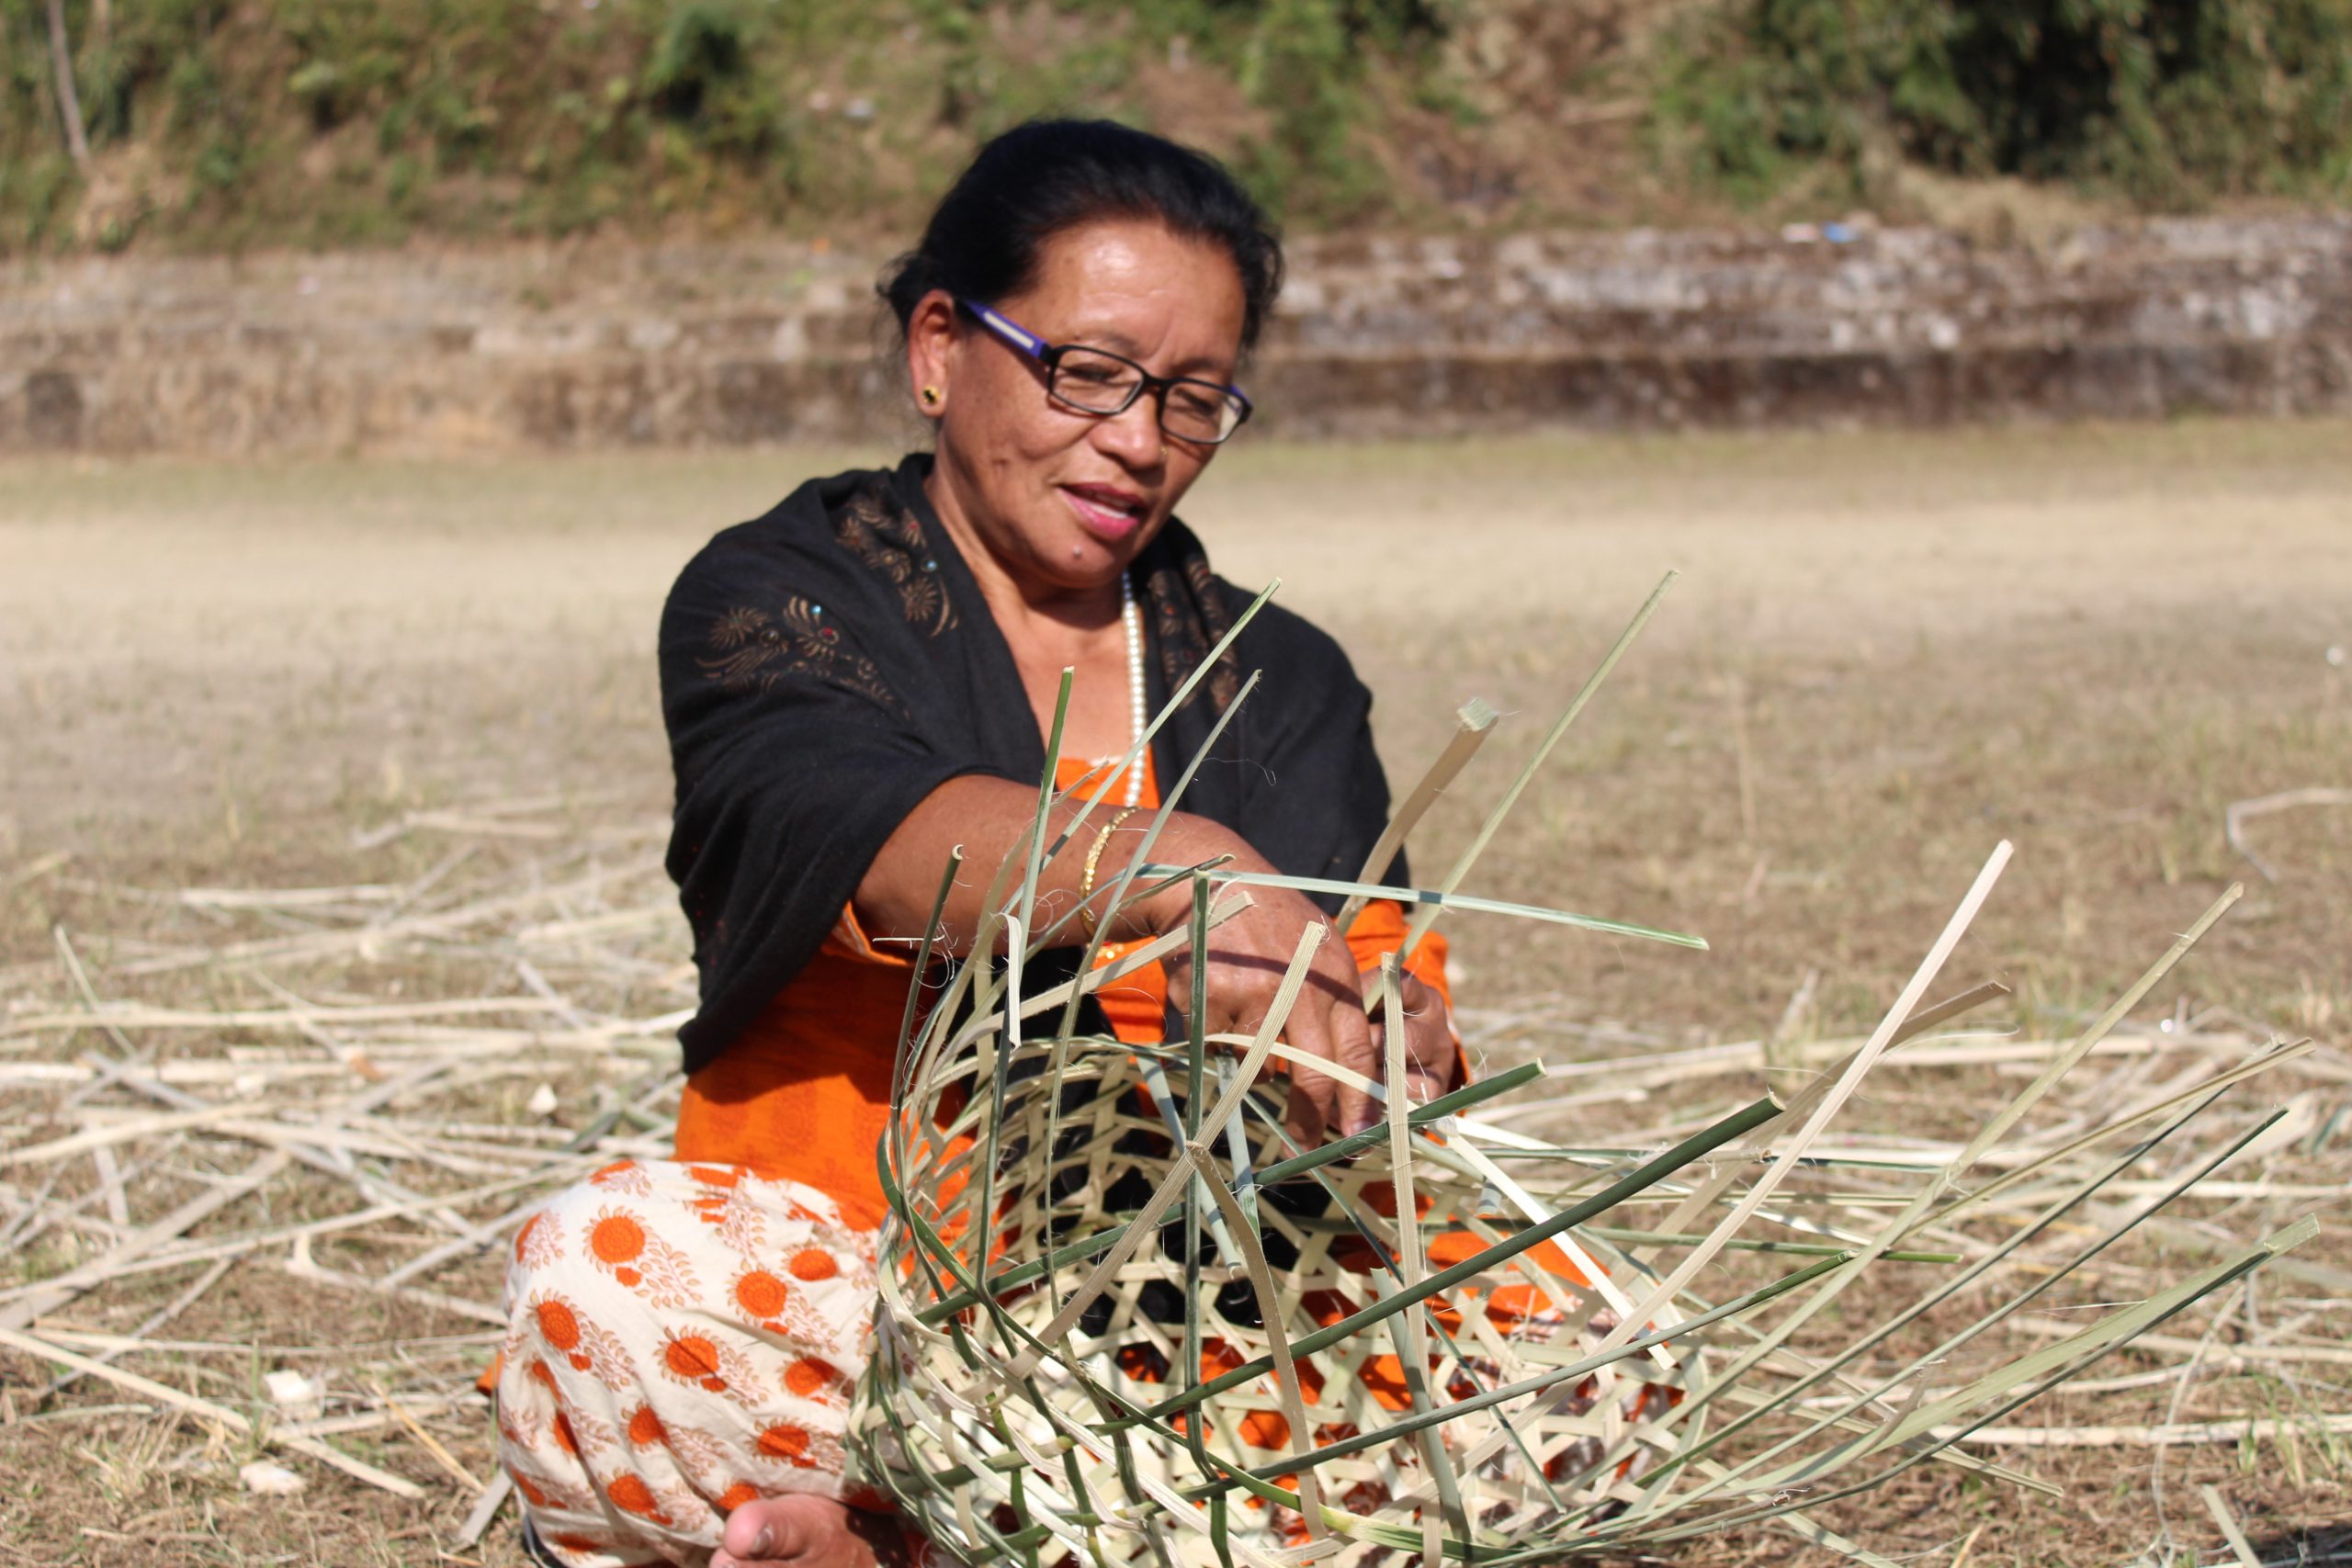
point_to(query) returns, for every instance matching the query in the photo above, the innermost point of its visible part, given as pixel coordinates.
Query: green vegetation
(329, 122)
(337, 121)
(2167, 103)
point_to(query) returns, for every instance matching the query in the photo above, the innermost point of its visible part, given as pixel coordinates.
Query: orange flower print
(644, 1262)
(761, 1295)
(810, 1378)
(785, 1440)
(813, 1264)
(623, 1176)
(587, 1346)
(536, 1244)
(560, 1328)
(616, 1238)
(716, 1368)
(559, 1325)
(630, 1494)
(695, 1359)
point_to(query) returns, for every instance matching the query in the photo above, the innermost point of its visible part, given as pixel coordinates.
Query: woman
(857, 686)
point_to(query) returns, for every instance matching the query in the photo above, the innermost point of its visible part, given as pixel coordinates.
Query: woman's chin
(1084, 557)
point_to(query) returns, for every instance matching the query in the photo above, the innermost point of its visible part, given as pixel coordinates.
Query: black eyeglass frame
(1049, 354)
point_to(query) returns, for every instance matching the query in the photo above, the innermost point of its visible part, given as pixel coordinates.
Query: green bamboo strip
(1435, 899)
(1089, 1247)
(1116, 896)
(2116, 1330)
(1696, 1146)
(1270, 1311)
(1133, 1235)
(914, 985)
(1914, 1212)
(1998, 1187)
(1551, 1378)
(1494, 821)
(1960, 1338)
(1036, 842)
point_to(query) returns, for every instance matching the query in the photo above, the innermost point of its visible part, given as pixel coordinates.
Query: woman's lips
(1102, 519)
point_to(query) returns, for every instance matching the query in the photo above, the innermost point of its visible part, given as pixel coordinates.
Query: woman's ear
(931, 352)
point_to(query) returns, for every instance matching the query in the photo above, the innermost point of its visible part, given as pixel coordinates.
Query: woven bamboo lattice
(1125, 1319)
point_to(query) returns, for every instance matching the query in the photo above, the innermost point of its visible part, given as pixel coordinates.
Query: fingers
(1329, 1023)
(1314, 1096)
(1433, 1062)
(1302, 1116)
(800, 1528)
(1352, 1047)
(1244, 973)
(1429, 1045)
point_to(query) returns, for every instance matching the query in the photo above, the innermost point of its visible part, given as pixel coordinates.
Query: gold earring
(931, 397)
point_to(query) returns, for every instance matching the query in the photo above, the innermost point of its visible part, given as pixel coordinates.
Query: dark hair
(1043, 178)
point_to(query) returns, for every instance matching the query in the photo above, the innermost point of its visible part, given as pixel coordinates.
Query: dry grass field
(426, 691)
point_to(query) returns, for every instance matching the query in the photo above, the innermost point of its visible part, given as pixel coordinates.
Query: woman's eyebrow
(1120, 343)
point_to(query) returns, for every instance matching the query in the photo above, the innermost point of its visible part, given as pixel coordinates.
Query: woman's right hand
(1248, 956)
(985, 819)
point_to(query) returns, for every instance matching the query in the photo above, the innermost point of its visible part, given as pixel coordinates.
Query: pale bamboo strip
(28, 1302)
(493, 1497)
(1212, 1127)
(1473, 721)
(204, 1408)
(179, 1304)
(2236, 1429)
(278, 1018)
(1845, 1086)
(1262, 1280)
(431, 1444)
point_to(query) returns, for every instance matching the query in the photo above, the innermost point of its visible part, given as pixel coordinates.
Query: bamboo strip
(164, 1394)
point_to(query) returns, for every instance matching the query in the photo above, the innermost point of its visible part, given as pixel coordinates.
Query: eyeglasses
(1096, 381)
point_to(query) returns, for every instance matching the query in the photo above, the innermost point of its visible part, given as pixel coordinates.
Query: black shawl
(826, 667)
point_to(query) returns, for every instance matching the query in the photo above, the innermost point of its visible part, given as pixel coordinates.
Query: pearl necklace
(1131, 622)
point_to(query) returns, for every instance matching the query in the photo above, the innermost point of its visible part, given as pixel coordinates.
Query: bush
(345, 121)
(2169, 102)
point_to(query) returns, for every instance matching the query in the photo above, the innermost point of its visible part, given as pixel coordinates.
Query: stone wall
(595, 347)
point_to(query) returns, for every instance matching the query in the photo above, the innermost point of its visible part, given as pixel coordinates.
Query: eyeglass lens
(1096, 382)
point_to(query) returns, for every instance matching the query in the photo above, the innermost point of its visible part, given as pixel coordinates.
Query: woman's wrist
(1186, 840)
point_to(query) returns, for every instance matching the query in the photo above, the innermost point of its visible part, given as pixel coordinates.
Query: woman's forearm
(986, 818)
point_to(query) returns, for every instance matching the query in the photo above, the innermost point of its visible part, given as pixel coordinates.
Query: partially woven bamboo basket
(1124, 1320)
(1242, 1283)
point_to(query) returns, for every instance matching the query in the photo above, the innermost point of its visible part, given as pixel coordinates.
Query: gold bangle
(1094, 864)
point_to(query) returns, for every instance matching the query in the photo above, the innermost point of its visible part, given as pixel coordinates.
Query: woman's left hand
(1432, 1057)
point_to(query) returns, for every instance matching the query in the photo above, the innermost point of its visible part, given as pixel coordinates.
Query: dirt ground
(1886, 654)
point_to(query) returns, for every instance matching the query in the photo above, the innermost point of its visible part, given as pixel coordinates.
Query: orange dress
(805, 1094)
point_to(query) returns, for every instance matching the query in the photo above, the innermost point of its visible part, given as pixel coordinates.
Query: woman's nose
(1132, 436)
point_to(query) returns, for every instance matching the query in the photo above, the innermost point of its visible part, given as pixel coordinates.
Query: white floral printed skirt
(682, 1338)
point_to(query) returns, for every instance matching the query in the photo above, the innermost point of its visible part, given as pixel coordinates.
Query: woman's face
(1062, 500)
